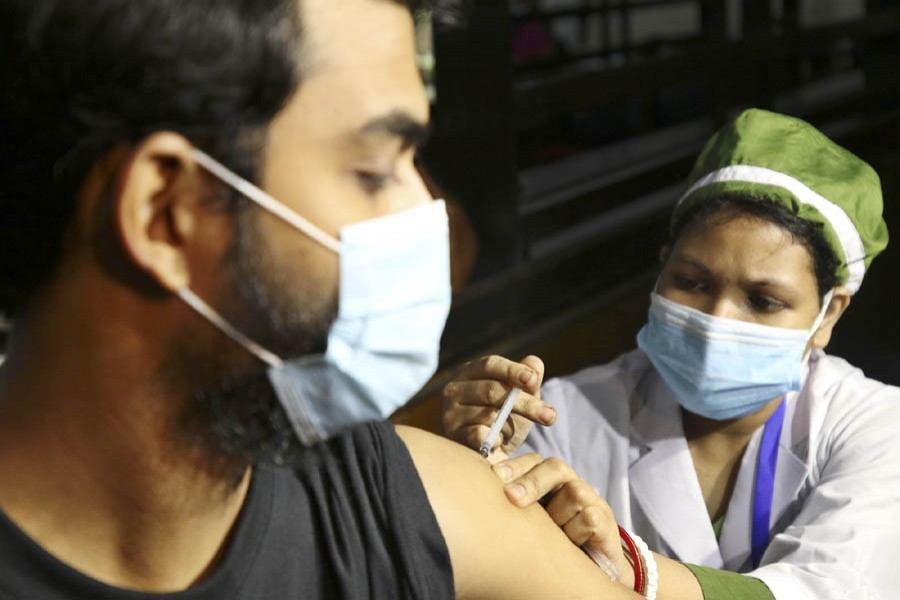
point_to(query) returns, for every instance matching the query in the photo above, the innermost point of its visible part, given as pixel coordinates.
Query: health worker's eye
(765, 303)
(683, 282)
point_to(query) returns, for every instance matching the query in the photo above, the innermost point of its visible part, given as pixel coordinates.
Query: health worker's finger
(470, 436)
(587, 519)
(503, 370)
(483, 392)
(497, 456)
(544, 478)
(455, 416)
(594, 526)
(465, 416)
(537, 365)
(573, 497)
(534, 409)
(492, 393)
(516, 467)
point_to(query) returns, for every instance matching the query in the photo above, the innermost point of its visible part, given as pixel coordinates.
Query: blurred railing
(568, 161)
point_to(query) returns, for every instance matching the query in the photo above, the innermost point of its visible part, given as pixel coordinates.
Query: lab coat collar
(666, 486)
(791, 471)
(663, 479)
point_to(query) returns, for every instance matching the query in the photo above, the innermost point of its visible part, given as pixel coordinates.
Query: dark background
(564, 130)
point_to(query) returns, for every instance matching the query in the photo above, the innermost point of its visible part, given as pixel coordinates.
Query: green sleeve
(717, 526)
(726, 585)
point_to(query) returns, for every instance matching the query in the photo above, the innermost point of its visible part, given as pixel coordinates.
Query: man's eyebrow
(411, 131)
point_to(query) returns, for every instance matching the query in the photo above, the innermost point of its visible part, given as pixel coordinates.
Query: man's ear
(155, 207)
(840, 300)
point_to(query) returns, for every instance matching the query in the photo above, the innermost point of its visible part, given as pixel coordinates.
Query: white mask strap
(826, 302)
(265, 201)
(204, 310)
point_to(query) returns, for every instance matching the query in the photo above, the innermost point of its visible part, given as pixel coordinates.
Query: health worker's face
(742, 268)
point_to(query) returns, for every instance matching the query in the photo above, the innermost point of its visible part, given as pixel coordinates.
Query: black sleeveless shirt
(352, 522)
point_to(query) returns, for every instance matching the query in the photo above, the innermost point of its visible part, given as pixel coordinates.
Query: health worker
(728, 440)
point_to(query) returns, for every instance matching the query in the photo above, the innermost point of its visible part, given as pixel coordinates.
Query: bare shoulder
(497, 549)
(431, 451)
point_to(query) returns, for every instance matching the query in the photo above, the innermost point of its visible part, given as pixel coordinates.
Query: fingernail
(525, 377)
(516, 491)
(548, 413)
(504, 472)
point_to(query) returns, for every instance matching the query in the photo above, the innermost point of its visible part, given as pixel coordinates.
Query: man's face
(341, 151)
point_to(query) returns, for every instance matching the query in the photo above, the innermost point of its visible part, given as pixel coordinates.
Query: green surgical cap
(771, 157)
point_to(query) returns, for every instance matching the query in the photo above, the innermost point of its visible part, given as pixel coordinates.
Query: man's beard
(235, 415)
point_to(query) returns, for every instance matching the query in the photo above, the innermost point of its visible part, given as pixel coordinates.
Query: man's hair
(78, 77)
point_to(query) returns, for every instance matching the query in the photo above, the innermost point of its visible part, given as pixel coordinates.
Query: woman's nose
(723, 307)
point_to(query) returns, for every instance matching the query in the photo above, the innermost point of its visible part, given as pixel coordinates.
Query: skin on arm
(585, 518)
(499, 550)
(471, 402)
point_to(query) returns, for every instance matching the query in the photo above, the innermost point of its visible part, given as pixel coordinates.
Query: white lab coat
(836, 502)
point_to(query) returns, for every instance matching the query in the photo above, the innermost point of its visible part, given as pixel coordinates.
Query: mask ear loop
(265, 201)
(826, 302)
(204, 310)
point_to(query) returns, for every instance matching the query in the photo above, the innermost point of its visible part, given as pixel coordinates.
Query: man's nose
(414, 193)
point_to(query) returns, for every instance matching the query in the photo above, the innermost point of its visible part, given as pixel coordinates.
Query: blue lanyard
(765, 484)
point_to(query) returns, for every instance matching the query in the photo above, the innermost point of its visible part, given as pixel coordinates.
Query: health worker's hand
(570, 501)
(472, 400)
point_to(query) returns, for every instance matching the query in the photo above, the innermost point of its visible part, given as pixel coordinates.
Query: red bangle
(636, 563)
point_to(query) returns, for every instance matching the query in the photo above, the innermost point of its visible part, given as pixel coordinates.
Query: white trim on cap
(851, 243)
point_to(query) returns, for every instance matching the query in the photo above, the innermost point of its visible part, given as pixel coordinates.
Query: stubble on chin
(275, 306)
(197, 368)
(232, 416)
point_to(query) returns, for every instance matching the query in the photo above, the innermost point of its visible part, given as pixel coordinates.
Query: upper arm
(498, 550)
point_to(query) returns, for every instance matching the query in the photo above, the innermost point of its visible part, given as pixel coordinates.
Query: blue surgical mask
(393, 302)
(723, 368)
